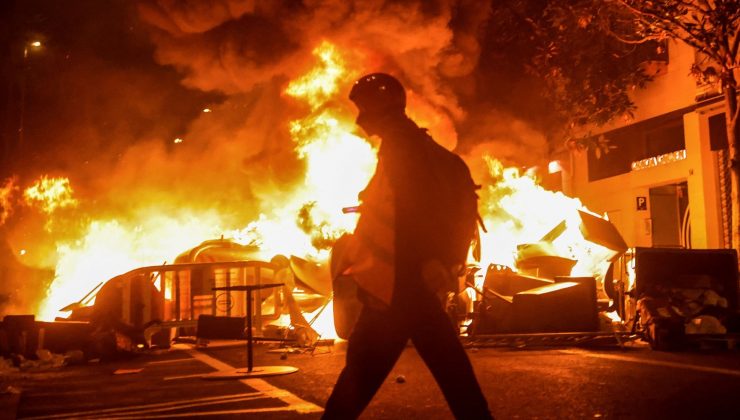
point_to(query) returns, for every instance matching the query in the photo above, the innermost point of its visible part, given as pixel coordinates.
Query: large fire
(338, 166)
(305, 221)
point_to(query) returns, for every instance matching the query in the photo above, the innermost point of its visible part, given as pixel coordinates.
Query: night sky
(92, 88)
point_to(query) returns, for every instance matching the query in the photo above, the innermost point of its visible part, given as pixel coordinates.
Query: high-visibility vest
(370, 255)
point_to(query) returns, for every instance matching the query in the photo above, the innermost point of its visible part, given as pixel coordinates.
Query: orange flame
(112, 247)
(516, 210)
(320, 84)
(339, 165)
(306, 220)
(7, 191)
(50, 194)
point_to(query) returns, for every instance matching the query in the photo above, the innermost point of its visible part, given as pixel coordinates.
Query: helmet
(378, 93)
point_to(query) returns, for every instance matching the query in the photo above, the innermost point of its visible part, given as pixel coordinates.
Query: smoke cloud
(234, 46)
(138, 140)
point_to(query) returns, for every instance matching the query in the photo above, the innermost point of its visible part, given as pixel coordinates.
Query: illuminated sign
(664, 159)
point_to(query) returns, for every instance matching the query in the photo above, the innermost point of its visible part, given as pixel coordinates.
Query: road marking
(705, 369)
(173, 378)
(263, 388)
(170, 405)
(294, 403)
(204, 413)
(127, 413)
(163, 362)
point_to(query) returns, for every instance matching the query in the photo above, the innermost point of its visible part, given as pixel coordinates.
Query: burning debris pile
(303, 223)
(269, 169)
(545, 295)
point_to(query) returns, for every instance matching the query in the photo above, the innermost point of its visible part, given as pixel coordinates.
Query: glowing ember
(50, 194)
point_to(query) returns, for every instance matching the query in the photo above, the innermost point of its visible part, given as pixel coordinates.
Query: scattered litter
(127, 371)
(290, 350)
(44, 355)
(6, 365)
(705, 324)
(45, 360)
(74, 357)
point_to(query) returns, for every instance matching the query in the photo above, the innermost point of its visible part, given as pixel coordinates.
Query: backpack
(457, 204)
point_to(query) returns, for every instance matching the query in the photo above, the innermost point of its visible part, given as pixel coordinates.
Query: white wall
(674, 89)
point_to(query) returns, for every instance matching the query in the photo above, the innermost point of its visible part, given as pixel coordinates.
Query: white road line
(98, 412)
(124, 412)
(705, 369)
(294, 403)
(203, 413)
(172, 378)
(164, 362)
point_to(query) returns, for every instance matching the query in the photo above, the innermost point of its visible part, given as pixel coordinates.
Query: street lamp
(31, 45)
(28, 48)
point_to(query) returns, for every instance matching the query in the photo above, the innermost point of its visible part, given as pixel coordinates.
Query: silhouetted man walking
(404, 252)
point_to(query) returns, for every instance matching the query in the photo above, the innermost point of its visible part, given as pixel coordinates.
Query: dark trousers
(376, 343)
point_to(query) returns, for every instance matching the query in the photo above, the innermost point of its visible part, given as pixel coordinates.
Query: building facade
(664, 183)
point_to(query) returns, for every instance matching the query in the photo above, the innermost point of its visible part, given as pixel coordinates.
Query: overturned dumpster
(686, 296)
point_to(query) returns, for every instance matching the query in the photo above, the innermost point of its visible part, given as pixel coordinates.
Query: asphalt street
(618, 382)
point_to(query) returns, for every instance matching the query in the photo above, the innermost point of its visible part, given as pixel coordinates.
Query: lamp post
(28, 48)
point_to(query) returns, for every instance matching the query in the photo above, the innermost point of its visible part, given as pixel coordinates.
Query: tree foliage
(583, 74)
(588, 74)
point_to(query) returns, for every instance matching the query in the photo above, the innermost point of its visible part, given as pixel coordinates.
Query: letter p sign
(641, 203)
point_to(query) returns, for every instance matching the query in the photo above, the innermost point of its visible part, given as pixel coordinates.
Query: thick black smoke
(117, 82)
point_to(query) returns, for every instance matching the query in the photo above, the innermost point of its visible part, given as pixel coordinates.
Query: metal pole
(249, 330)
(21, 115)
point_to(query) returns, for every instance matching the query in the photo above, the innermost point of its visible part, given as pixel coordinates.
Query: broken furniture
(515, 303)
(541, 296)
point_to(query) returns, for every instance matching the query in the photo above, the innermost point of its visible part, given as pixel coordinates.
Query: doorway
(669, 212)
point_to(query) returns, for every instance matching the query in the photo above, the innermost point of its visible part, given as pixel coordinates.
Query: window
(650, 138)
(718, 132)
